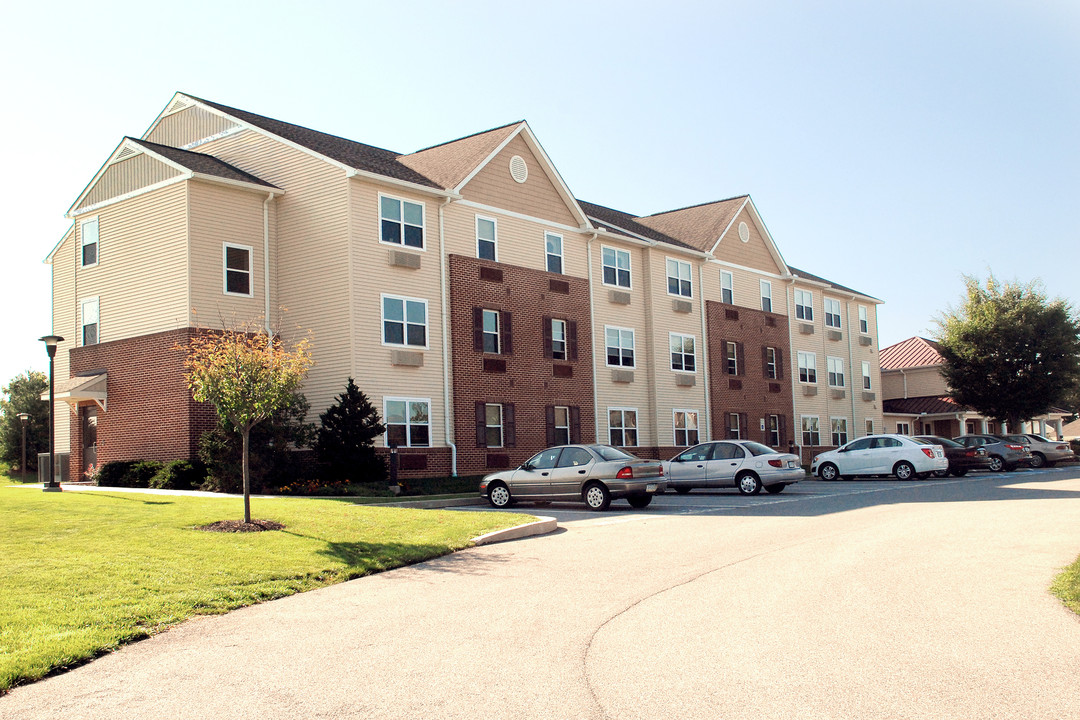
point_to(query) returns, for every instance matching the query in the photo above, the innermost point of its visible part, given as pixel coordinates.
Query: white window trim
(812, 365)
(629, 268)
(864, 318)
(690, 274)
(637, 427)
(556, 424)
(225, 269)
(802, 428)
(868, 382)
(869, 426)
(903, 428)
(737, 427)
(494, 240)
(498, 331)
(847, 434)
(766, 285)
(96, 302)
(772, 364)
(731, 286)
(408, 424)
(405, 299)
(565, 339)
(633, 346)
(501, 425)
(83, 243)
(674, 434)
(829, 360)
(769, 431)
(561, 255)
(839, 313)
(810, 305)
(731, 348)
(401, 245)
(682, 336)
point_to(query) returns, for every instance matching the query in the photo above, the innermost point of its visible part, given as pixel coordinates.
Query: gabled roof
(911, 353)
(450, 163)
(818, 279)
(625, 224)
(201, 163)
(700, 226)
(930, 405)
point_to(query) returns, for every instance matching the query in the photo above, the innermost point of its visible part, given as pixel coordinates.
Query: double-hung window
(766, 296)
(734, 427)
(553, 247)
(811, 433)
(558, 339)
(620, 347)
(770, 363)
(832, 313)
(869, 426)
(491, 332)
(616, 267)
(562, 425)
(401, 222)
(493, 425)
(404, 321)
(727, 287)
(807, 367)
(804, 305)
(408, 422)
(866, 376)
(89, 309)
(836, 371)
(864, 324)
(682, 352)
(773, 429)
(622, 427)
(903, 428)
(679, 278)
(237, 269)
(486, 238)
(839, 431)
(89, 231)
(686, 427)
(732, 358)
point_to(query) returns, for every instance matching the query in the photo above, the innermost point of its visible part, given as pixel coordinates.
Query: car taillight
(777, 463)
(661, 469)
(627, 473)
(928, 452)
(1015, 447)
(1062, 447)
(970, 452)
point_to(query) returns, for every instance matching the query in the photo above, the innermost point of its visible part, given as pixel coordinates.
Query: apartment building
(482, 307)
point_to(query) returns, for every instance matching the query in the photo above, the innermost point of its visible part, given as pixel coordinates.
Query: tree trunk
(1014, 424)
(245, 432)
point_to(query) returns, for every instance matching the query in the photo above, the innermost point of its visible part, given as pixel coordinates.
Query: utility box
(63, 465)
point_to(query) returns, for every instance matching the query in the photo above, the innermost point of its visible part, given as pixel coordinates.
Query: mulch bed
(241, 526)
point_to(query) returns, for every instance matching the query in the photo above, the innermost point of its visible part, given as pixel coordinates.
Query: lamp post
(51, 485)
(24, 418)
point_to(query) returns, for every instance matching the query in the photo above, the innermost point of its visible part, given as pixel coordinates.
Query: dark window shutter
(478, 329)
(504, 326)
(744, 426)
(764, 361)
(481, 424)
(741, 359)
(571, 332)
(547, 339)
(723, 356)
(782, 423)
(549, 420)
(575, 424)
(509, 428)
(779, 367)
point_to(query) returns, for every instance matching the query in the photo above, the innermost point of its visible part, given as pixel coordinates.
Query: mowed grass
(84, 572)
(1067, 586)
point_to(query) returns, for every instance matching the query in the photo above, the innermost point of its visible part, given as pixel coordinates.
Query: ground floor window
(686, 427)
(562, 425)
(869, 426)
(772, 427)
(839, 431)
(734, 427)
(903, 428)
(493, 433)
(408, 422)
(622, 427)
(811, 434)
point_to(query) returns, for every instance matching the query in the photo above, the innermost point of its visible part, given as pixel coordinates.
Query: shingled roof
(830, 283)
(625, 223)
(911, 353)
(449, 163)
(699, 226)
(201, 163)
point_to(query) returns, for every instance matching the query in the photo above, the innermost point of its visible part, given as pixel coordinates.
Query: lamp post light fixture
(24, 418)
(52, 484)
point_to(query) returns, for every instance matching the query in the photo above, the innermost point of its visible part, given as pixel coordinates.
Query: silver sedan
(593, 474)
(744, 464)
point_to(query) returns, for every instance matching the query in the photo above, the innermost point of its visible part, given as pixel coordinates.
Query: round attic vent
(744, 232)
(518, 169)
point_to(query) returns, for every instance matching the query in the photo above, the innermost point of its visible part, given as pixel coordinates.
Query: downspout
(448, 408)
(266, 264)
(793, 361)
(592, 338)
(904, 376)
(851, 357)
(705, 358)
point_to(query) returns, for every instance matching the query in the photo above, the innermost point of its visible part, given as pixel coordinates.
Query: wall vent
(519, 169)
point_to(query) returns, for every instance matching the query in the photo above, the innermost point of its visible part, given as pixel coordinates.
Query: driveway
(901, 600)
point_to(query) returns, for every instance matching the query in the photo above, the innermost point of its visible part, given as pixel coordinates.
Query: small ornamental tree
(23, 395)
(247, 377)
(346, 444)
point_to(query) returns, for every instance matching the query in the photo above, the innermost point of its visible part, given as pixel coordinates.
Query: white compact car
(898, 455)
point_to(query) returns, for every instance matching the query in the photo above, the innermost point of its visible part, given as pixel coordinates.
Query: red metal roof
(911, 353)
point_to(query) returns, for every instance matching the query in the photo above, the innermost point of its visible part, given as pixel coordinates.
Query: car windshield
(759, 449)
(610, 453)
(1039, 438)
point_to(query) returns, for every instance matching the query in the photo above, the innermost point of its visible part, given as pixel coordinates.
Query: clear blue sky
(890, 147)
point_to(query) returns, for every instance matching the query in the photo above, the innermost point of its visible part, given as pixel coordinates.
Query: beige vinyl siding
(925, 381)
(141, 275)
(64, 311)
(373, 276)
(821, 404)
(754, 253)
(311, 272)
(892, 384)
(519, 241)
(536, 197)
(859, 354)
(746, 287)
(218, 215)
(128, 176)
(188, 126)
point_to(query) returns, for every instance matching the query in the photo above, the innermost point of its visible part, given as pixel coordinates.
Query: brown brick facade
(521, 377)
(151, 414)
(749, 393)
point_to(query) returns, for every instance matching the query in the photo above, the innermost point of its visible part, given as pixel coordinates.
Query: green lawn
(83, 572)
(1067, 586)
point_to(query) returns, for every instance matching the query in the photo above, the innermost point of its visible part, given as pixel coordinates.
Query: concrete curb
(542, 526)
(430, 504)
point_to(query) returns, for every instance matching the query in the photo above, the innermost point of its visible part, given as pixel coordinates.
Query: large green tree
(346, 444)
(1011, 353)
(23, 395)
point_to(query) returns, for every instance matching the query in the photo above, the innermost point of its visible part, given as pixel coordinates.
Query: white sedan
(743, 464)
(897, 455)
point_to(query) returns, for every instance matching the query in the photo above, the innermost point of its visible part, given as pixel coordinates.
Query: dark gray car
(1004, 454)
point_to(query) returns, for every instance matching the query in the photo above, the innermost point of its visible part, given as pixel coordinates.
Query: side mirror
(526, 466)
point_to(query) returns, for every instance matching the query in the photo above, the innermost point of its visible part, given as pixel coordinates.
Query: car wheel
(639, 501)
(682, 489)
(904, 470)
(596, 496)
(828, 471)
(748, 484)
(959, 473)
(1038, 460)
(997, 463)
(499, 495)
(941, 473)
(773, 489)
